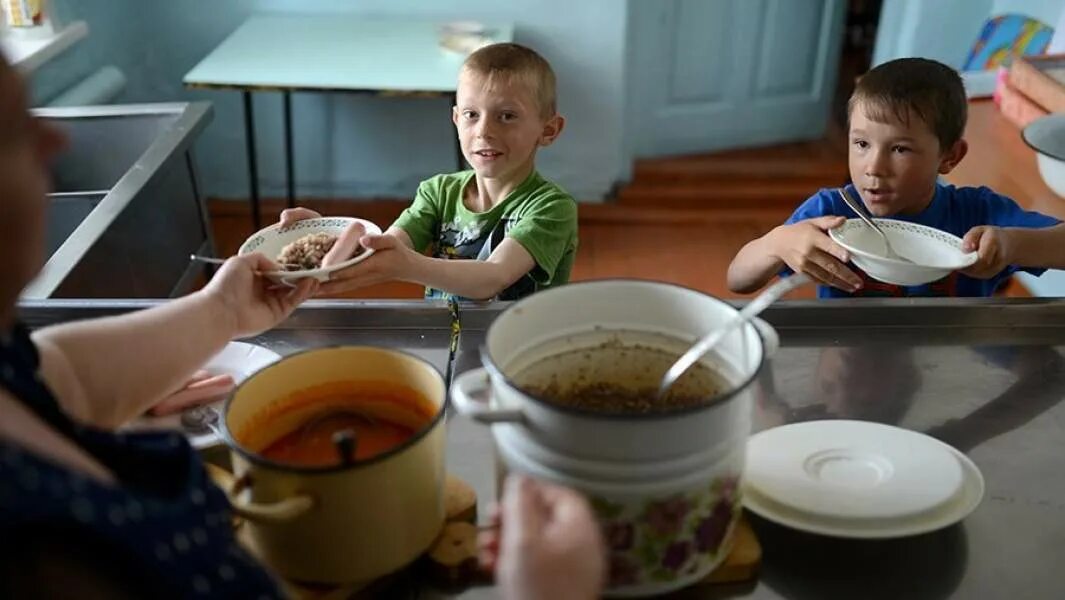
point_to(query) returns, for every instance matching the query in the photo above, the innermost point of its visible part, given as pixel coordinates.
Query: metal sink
(125, 212)
(66, 210)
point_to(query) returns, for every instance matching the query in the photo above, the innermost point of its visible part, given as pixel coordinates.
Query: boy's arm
(470, 278)
(754, 265)
(477, 279)
(400, 234)
(803, 247)
(1000, 247)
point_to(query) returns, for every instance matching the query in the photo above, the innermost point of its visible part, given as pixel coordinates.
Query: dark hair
(906, 87)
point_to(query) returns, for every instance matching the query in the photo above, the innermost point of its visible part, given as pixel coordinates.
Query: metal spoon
(708, 341)
(207, 259)
(220, 261)
(859, 209)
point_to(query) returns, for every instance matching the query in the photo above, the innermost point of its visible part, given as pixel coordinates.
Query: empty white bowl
(934, 253)
(1046, 136)
(271, 240)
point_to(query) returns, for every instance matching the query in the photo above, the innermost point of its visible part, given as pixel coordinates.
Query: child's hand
(290, 216)
(806, 248)
(992, 248)
(392, 261)
(346, 245)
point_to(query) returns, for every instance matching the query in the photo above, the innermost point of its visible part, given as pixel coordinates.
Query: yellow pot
(344, 523)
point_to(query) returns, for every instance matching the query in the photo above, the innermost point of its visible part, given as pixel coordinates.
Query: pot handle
(476, 382)
(274, 512)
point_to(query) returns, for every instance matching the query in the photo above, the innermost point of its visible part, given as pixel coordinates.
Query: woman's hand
(253, 303)
(547, 545)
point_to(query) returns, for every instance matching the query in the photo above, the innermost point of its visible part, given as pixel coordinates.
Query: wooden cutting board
(743, 563)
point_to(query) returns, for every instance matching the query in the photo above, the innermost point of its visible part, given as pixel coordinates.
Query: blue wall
(352, 146)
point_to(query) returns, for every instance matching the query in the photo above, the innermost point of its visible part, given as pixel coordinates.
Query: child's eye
(508, 116)
(469, 114)
(900, 149)
(861, 144)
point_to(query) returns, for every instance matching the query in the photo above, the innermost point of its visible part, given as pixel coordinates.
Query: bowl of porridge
(301, 249)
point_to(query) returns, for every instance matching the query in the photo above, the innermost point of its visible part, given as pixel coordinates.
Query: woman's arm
(107, 371)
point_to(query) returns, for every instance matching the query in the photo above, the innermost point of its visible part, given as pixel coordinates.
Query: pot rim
(497, 373)
(260, 460)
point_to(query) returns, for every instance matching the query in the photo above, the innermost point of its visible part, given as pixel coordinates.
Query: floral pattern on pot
(661, 539)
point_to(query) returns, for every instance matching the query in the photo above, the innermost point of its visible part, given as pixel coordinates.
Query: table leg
(289, 169)
(253, 168)
(458, 145)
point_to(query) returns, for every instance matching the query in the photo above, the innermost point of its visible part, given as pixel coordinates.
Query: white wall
(946, 29)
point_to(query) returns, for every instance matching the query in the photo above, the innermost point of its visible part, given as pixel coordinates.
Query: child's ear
(552, 129)
(455, 115)
(953, 156)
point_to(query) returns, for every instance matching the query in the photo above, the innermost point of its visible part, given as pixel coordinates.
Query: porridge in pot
(615, 372)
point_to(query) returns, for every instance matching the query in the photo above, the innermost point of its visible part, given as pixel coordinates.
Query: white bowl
(1046, 136)
(271, 240)
(934, 253)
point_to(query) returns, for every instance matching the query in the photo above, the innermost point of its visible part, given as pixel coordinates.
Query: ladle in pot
(708, 341)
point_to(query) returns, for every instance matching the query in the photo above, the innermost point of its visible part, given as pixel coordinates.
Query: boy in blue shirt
(906, 119)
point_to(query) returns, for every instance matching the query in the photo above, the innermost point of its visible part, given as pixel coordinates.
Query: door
(715, 74)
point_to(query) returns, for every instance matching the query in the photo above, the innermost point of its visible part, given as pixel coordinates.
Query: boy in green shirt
(498, 231)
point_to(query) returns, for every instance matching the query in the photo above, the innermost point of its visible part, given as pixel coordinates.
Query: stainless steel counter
(986, 376)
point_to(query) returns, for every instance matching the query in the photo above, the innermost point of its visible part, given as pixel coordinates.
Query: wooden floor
(680, 220)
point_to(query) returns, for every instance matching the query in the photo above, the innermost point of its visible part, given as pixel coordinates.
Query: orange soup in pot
(305, 428)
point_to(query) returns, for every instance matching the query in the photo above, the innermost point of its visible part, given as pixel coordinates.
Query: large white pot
(663, 531)
(614, 304)
(665, 487)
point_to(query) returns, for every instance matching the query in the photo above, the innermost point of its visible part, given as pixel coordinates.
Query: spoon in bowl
(708, 341)
(859, 209)
(221, 261)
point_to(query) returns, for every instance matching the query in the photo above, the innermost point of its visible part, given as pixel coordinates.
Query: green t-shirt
(538, 214)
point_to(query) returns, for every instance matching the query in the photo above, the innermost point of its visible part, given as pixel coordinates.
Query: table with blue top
(329, 53)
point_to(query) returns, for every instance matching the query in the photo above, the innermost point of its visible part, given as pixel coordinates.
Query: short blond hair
(514, 61)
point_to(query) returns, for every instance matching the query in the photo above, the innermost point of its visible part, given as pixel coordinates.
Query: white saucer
(852, 469)
(238, 360)
(877, 518)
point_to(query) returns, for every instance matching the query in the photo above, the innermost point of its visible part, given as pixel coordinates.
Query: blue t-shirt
(954, 210)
